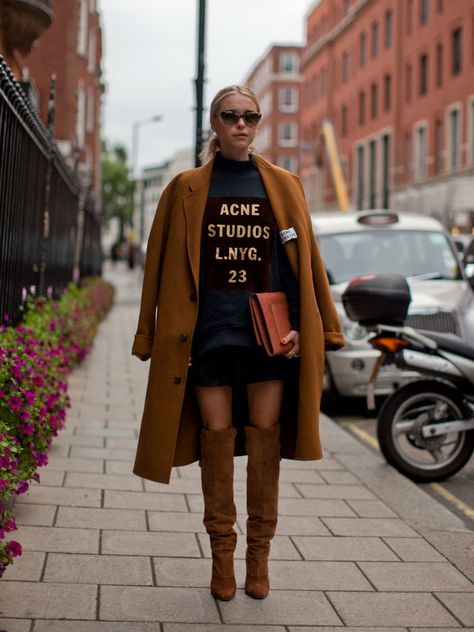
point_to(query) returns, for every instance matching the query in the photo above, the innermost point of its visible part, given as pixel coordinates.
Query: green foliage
(117, 187)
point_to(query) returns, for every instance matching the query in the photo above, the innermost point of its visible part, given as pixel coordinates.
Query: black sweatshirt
(241, 253)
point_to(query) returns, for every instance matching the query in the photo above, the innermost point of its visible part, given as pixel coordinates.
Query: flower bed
(35, 360)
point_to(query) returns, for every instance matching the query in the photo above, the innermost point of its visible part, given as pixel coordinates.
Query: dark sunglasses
(231, 117)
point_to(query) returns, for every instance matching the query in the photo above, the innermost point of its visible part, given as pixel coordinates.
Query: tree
(117, 186)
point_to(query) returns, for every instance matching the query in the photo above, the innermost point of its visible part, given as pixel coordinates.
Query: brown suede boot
(263, 472)
(217, 478)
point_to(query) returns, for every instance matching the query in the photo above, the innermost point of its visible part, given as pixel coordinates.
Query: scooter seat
(452, 343)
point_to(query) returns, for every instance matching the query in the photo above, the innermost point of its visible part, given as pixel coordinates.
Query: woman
(235, 226)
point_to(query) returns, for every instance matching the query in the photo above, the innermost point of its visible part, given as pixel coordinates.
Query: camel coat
(171, 424)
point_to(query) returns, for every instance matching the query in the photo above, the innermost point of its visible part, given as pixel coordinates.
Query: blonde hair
(212, 144)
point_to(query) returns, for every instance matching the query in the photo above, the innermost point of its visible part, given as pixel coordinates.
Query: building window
(315, 88)
(344, 120)
(363, 49)
(423, 74)
(387, 93)
(408, 148)
(345, 67)
(409, 24)
(360, 177)
(424, 11)
(322, 82)
(385, 171)
(420, 171)
(388, 29)
(289, 163)
(82, 28)
(373, 100)
(457, 51)
(454, 139)
(372, 174)
(439, 65)
(471, 114)
(90, 111)
(288, 134)
(408, 82)
(80, 116)
(289, 62)
(92, 53)
(438, 139)
(375, 39)
(288, 100)
(361, 107)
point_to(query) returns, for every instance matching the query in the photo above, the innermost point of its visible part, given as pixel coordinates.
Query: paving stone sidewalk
(358, 546)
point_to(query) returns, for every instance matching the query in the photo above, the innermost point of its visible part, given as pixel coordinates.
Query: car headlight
(353, 332)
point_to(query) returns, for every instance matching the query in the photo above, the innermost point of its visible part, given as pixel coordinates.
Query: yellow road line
(449, 496)
(363, 434)
(457, 502)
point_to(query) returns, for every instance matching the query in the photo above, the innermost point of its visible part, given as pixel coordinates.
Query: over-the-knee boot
(263, 471)
(217, 477)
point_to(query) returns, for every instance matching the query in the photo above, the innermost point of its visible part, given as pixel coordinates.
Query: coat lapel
(194, 207)
(280, 205)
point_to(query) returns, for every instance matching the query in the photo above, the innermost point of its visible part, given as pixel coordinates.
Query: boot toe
(257, 587)
(223, 588)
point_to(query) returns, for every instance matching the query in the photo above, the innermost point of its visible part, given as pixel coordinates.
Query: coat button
(183, 338)
(193, 297)
(177, 380)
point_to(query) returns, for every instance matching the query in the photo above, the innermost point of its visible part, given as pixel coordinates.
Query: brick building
(276, 80)
(396, 78)
(72, 49)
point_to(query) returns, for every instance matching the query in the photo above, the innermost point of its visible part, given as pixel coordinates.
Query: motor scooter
(425, 428)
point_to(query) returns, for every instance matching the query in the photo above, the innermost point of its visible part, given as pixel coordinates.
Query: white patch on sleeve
(287, 234)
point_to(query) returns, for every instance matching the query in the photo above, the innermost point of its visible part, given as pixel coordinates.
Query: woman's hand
(294, 337)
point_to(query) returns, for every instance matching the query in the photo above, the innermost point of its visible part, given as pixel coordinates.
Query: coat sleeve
(333, 338)
(143, 342)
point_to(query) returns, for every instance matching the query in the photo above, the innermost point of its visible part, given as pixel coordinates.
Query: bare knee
(215, 406)
(265, 403)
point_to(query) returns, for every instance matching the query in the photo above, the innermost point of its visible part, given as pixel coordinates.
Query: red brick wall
(336, 26)
(269, 93)
(56, 52)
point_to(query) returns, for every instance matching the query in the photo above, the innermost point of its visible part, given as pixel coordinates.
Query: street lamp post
(133, 168)
(200, 81)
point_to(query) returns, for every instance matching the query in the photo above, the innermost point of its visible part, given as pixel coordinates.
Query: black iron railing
(39, 206)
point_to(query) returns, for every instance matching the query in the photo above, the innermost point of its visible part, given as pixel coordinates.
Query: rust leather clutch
(271, 321)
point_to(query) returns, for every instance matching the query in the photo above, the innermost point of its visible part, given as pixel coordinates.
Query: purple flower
(27, 428)
(30, 396)
(14, 548)
(14, 402)
(21, 488)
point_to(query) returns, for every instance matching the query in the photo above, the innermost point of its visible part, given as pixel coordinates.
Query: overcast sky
(149, 61)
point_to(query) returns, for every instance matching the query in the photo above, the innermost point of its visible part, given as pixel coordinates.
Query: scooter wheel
(405, 412)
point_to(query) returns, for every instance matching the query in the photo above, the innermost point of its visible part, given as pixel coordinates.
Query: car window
(407, 252)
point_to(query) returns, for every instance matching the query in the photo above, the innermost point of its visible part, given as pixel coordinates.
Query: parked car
(416, 246)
